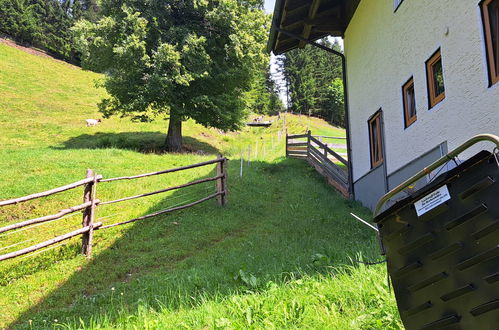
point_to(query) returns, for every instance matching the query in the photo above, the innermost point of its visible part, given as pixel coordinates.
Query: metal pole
(241, 169)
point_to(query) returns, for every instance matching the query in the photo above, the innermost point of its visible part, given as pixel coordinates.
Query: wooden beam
(49, 242)
(328, 29)
(46, 218)
(165, 171)
(49, 192)
(161, 191)
(310, 19)
(323, 20)
(164, 211)
(293, 26)
(286, 42)
(296, 5)
(296, 16)
(307, 28)
(333, 13)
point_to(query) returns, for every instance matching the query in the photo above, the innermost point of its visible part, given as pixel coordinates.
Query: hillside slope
(283, 233)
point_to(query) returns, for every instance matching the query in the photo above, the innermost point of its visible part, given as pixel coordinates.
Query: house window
(490, 12)
(409, 103)
(435, 79)
(375, 140)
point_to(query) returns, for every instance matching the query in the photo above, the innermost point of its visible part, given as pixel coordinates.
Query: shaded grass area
(282, 224)
(144, 142)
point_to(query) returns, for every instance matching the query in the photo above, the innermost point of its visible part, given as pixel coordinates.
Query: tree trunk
(174, 136)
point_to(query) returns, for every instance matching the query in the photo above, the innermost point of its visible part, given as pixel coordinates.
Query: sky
(269, 6)
(269, 9)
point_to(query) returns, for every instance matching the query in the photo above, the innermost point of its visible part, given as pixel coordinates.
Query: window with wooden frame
(409, 103)
(375, 140)
(490, 13)
(435, 79)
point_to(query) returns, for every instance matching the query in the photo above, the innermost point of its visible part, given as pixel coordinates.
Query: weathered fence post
(88, 214)
(222, 181)
(309, 133)
(324, 162)
(286, 142)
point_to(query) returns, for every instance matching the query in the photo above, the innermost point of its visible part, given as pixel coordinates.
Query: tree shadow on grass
(144, 142)
(279, 218)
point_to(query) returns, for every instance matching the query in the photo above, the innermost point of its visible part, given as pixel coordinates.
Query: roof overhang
(309, 19)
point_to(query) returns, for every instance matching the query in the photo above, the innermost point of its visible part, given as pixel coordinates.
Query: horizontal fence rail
(218, 160)
(166, 211)
(325, 160)
(330, 137)
(49, 192)
(49, 242)
(46, 218)
(90, 203)
(162, 190)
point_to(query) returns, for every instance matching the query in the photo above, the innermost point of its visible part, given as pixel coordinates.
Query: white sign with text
(432, 200)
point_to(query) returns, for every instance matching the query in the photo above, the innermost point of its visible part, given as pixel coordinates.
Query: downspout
(345, 97)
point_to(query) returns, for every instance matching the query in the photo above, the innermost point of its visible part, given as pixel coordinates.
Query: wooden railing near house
(91, 202)
(327, 162)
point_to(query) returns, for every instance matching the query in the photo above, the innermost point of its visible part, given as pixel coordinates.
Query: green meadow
(283, 252)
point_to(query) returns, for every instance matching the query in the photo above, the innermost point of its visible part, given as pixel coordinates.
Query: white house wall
(385, 48)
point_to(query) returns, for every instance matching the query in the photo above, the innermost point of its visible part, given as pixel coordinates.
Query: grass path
(274, 257)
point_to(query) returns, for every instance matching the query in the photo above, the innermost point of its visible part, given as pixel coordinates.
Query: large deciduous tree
(181, 58)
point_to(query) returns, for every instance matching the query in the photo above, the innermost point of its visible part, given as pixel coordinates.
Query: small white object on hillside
(92, 122)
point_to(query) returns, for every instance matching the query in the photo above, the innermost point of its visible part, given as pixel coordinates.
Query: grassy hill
(276, 256)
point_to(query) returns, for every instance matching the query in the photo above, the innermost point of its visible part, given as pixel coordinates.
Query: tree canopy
(182, 59)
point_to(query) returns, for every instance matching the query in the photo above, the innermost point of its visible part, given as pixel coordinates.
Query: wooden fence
(326, 161)
(91, 202)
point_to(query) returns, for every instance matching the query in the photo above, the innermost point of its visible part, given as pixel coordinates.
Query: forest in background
(46, 24)
(313, 82)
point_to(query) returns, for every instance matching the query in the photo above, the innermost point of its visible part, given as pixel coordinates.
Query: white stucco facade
(385, 48)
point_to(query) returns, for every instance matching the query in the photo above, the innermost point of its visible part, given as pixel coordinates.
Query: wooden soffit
(309, 19)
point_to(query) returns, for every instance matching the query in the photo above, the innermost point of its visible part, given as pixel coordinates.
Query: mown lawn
(277, 256)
